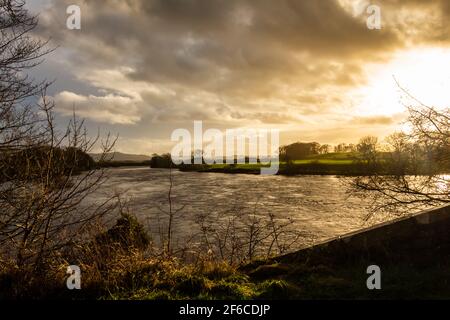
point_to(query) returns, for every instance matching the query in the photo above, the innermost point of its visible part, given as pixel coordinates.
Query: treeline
(399, 155)
(294, 151)
(162, 161)
(301, 150)
(117, 164)
(165, 161)
(31, 163)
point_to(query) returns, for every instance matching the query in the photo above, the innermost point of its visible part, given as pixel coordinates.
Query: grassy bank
(326, 164)
(413, 254)
(347, 164)
(414, 258)
(121, 263)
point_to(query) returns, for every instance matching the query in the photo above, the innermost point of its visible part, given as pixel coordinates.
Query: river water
(318, 206)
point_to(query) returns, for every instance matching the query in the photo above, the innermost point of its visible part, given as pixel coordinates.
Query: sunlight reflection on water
(318, 205)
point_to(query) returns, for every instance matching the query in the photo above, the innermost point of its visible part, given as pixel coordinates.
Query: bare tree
(19, 52)
(414, 174)
(237, 235)
(166, 231)
(45, 174)
(367, 148)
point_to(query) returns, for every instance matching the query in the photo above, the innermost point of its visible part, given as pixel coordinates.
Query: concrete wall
(414, 238)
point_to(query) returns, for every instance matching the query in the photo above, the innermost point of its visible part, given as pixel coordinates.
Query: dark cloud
(231, 60)
(229, 44)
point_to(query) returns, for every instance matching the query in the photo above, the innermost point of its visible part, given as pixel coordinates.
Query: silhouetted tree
(299, 150)
(367, 149)
(413, 174)
(40, 211)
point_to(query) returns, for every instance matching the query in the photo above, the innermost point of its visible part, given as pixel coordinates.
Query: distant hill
(119, 156)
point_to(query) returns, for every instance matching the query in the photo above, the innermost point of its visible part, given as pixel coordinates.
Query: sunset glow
(316, 71)
(226, 157)
(424, 73)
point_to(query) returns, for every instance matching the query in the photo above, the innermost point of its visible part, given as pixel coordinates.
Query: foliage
(43, 166)
(416, 166)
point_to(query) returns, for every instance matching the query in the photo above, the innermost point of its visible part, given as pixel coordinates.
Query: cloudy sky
(310, 68)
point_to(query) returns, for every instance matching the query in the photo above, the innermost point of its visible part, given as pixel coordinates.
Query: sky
(309, 68)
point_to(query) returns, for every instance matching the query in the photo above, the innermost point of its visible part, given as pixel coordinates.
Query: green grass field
(323, 161)
(324, 164)
(332, 161)
(330, 158)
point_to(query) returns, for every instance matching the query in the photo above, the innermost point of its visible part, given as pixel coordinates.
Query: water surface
(319, 206)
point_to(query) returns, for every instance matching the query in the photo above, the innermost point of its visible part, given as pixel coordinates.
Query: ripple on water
(318, 205)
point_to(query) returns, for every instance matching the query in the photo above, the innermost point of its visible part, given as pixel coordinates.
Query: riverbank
(325, 164)
(296, 168)
(118, 164)
(413, 254)
(335, 164)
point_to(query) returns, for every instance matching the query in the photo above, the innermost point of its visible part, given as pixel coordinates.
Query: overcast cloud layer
(144, 68)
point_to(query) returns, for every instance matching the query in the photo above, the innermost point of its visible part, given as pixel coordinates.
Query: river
(317, 206)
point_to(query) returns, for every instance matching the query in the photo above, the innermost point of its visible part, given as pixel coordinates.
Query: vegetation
(29, 163)
(322, 164)
(45, 226)
(413, 175)
(117, 164)
(399, 156)
(120, 264)
(48, 172)
(118, 159)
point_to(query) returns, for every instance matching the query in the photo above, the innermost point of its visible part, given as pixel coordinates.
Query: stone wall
(416, 238)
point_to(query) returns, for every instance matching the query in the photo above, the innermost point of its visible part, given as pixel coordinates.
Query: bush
(128, 233)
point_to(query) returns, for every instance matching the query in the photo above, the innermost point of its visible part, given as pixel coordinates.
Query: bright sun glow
(425, 73)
